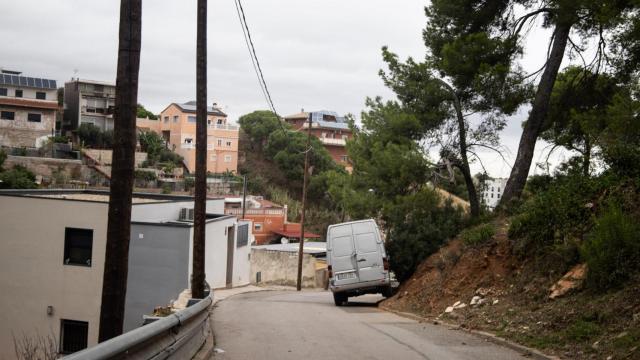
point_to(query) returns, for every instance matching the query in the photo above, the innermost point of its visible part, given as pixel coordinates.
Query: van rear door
(342, 250)
(369, 251)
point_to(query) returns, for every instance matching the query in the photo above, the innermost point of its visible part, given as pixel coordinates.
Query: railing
(223, 126)
(330, 141)
(238, 211)
(177, 336)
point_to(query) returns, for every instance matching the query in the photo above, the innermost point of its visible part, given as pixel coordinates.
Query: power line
(256, 63)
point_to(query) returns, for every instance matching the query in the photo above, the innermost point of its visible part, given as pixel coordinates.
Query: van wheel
(387, 292)
(339, 298)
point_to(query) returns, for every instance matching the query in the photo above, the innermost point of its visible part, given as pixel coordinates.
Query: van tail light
(385, 263)
(330, 271)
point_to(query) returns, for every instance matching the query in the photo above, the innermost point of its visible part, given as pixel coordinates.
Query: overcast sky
(314, 54)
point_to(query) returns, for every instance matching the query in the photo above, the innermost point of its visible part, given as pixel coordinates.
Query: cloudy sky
(314, 54)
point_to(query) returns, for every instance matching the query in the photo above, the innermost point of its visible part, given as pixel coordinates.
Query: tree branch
(494, 149)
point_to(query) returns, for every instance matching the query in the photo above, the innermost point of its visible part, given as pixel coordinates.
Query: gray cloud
(315, 54)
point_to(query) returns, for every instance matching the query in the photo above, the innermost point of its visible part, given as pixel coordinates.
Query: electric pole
(244, 196)
(304, 203)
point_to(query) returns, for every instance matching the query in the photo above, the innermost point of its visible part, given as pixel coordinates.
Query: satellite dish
(284, 240)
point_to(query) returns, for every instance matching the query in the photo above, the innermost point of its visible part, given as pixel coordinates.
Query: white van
(357, 261)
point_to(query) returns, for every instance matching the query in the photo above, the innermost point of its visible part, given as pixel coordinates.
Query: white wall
(33, 275)
(170, 211)
(492, 191)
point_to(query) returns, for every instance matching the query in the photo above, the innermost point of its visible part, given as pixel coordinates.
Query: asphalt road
(307, 325)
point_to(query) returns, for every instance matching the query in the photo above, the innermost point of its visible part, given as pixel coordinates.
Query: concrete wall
(158, 269)
(104, 156)
(281, 268)
(47, 166)
(20, 132)
(33, 274)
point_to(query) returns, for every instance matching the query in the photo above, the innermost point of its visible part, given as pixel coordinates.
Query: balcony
(238, 211)
(223, 127)
(334, 142)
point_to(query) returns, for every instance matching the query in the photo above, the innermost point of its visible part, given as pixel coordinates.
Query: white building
(492, 190)
(28, 109)
(89, 101)
(52, 253)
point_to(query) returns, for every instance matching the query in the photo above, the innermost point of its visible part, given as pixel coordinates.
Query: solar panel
(30, 81)
(17, 80)
(14, 80)
(38, 82)
(23, 81)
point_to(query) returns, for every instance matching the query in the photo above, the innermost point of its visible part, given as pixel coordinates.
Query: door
(231, 246)
(342, 254)
(368, 256)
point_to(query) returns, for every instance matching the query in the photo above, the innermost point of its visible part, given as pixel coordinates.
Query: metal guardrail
(177, 336)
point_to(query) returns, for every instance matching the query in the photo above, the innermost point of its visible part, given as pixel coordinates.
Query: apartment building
(332, 130)
(491, 191)
(177, 125)
(28, 109)
(52, 255)
(88, 101)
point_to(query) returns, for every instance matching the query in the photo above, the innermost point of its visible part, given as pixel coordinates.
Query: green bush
(478, 235)
(167, 188)
(3, 157)
(145, 175)
(612, 250)
(17, 178)
(92, 136)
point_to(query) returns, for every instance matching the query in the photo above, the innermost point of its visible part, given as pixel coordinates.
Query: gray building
(88, 101)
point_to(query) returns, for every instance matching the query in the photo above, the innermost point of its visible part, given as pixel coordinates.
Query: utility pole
(304, 203)
(244, 195)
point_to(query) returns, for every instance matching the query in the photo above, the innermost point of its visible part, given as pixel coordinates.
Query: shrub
(145, 175)
(3, 157)
(166, 188)
(17, 178)
(478, 235)
(612, 250)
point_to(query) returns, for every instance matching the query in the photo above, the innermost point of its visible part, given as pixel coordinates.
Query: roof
(296, 234)
(101, 196)
(26, 81)
(94, 82)
(317, 117)
(190, 107)
(310, 247)
(29, 103)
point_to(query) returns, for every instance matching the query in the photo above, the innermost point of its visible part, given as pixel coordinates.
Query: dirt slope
(515, 304)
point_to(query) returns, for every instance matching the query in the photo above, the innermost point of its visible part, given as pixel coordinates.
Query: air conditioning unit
(186, 214)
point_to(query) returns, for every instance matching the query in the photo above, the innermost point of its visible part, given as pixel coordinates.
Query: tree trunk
(199, 223)
(474, 204)
(586, 158)
(114, 284)
(539, 109)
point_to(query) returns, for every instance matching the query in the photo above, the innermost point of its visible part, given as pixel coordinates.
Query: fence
(177, 336)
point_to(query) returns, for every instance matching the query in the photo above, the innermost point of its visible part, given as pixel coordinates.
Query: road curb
(526, 351)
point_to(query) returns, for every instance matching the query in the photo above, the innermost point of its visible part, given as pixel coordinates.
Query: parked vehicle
(357, 261)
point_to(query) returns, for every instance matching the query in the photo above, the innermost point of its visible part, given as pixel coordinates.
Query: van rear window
(342, 246)
(366, 243)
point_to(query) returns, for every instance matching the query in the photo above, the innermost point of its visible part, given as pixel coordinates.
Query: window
(175, 118)
(77, 246)
(34, 117)
(243, 235)
(98, 88)
(219, 142)
(257, 227)
(73, 335)
(209, 146)
(188, 140)
(214, 157)
(18, 93)
(492, 195)
(228, 143)
(498, 196)
(7, 115)
(191, 119)
(41, 95)
(219, 122)
(166, 119)
(227, 158)
(344, 158)
(3, 92)
(498, 189)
